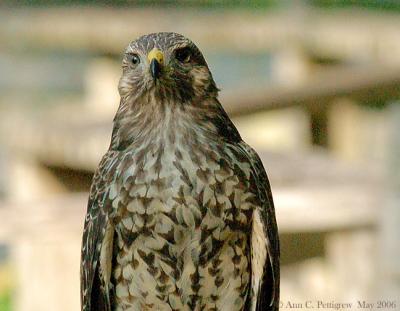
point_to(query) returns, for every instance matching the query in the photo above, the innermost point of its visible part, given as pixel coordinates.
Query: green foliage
(246, 4)
(252, 4)
(376, 105)
(392, 5)
(5, 301)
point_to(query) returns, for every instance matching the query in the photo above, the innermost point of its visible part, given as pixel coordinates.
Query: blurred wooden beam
(331, 33)
(109, 30)
(390, 211)
(375, 83)
(370, 83)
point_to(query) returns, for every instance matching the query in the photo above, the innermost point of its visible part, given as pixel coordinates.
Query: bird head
(166, 65)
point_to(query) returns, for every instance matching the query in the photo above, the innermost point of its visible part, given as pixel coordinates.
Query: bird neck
(147, 121)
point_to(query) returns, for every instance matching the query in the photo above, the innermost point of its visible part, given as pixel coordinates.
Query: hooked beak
(155, 69)
(156, 60)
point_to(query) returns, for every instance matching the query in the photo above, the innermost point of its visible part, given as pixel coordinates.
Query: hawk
(180, 213)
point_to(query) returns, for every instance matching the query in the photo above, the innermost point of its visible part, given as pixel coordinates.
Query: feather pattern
(265, 240)
(96, 222)
(180, 213)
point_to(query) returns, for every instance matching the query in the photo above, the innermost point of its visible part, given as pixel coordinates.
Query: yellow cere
(157, 54)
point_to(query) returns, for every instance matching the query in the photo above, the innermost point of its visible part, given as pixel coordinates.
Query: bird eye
(183, 55)
(135, 59)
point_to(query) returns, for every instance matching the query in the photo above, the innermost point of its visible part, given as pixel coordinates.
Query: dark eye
(183, 55)
(134, 58)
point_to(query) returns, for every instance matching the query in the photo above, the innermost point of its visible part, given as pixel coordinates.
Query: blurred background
(313, 86)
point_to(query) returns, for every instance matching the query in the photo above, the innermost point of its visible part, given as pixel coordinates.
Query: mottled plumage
(180, 213)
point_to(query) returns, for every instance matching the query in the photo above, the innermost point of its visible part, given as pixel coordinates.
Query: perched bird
(180, 213)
